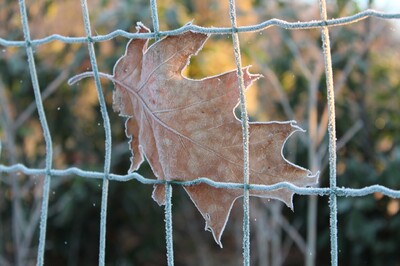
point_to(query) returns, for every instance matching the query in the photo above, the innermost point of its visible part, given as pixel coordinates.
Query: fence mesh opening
(46, 167)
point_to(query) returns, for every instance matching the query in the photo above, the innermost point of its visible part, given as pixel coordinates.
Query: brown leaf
(186, 128)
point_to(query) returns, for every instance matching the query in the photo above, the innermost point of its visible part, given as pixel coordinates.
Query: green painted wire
(168, 224)
(168, 188)
(245, 135)
(73, 171)
(46, 132)
(331, 134)
(154, 18)
(107, 130)
(214, 30)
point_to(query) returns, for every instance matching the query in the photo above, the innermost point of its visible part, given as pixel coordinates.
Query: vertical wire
(168, 187)
(107, 130)
(245, 135)
(154, 17)
(332, 135)
(168, 224)
(46, 133)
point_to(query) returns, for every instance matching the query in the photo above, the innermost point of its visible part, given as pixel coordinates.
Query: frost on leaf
(186, 128)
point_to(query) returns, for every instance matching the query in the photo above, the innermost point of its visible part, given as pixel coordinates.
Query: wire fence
(332, 191)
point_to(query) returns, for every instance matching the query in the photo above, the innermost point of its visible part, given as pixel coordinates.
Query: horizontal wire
(339, 191)
(212, 30)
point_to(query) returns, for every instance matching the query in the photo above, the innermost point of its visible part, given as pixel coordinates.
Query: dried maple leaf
(186, 128)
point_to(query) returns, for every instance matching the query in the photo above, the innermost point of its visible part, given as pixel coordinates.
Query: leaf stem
(88, 74)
